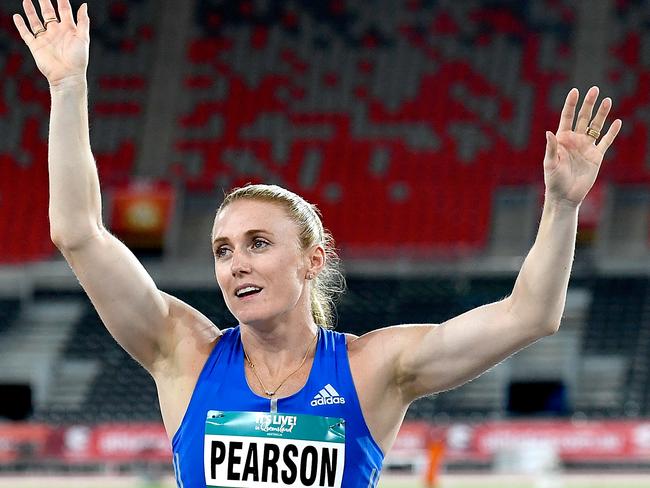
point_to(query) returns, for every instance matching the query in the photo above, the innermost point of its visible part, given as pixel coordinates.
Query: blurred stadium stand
(122, 36)
(599, 356)
(409, 105)
(416, 126)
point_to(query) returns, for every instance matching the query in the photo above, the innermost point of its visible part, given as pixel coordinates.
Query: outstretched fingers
(83, 20)
(609, 137)
(584, 116)
(599, 120)
(584, 120)
(47, 10)
(35, 23)
(65, 11)
(25, 34)
(551, 150)
(569, 110)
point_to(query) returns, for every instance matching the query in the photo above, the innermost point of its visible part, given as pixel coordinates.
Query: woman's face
(259, 265)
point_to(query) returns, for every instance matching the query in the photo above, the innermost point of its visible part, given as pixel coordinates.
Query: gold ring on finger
(47, 21)
(591, 132)
(39, 31)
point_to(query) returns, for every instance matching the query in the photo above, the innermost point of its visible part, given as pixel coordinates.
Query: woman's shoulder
(335, 333)
(350, 337)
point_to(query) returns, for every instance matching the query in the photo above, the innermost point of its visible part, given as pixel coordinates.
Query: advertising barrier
(585, 441)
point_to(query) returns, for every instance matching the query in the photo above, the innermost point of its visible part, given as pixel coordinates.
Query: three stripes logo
(327, 396)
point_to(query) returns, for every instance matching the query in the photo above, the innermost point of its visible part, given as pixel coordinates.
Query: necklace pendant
(270, 393)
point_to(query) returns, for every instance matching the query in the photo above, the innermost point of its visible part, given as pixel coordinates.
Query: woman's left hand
(573, 157)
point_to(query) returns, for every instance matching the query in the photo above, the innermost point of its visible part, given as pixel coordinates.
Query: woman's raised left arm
(428, 358)
(571, 164)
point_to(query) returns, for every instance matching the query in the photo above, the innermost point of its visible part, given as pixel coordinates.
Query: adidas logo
(327, 396)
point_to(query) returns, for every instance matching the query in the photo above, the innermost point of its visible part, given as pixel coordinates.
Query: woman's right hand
(61, 52)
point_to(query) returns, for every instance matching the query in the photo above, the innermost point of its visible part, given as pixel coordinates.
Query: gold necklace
(272, 393)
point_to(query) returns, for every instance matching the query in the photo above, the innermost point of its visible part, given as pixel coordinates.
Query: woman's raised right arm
(139, 316)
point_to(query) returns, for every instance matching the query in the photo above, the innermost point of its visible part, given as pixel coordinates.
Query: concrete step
(30, 349)
(70, 384)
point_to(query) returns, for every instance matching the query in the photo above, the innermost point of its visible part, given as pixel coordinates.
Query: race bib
(260, 450)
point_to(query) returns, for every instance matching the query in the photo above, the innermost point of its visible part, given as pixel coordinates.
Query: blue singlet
(329, 392)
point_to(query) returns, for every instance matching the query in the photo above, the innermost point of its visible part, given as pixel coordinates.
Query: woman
(280, 400)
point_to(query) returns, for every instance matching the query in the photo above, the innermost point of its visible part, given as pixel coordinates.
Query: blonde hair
(329, 284)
